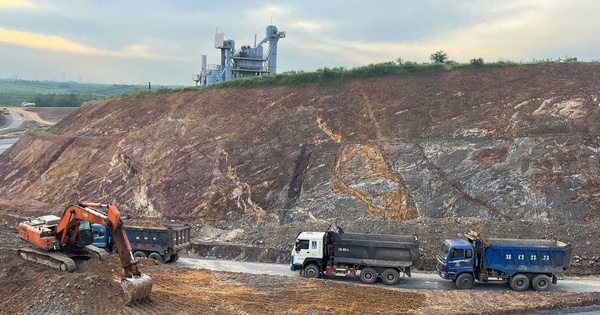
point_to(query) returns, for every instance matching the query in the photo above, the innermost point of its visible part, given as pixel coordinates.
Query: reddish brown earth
(510, 152)
(94, 289)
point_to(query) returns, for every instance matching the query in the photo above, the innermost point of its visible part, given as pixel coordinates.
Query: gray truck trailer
(368, 256)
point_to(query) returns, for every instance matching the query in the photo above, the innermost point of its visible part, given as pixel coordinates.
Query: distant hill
(13, 92)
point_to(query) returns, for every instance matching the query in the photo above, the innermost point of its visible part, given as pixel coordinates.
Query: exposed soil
(140, 222)
(509, 152)
(33, 117)
(94, 288)
(45, 116)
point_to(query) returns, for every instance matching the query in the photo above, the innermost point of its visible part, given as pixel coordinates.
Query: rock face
(514, 143)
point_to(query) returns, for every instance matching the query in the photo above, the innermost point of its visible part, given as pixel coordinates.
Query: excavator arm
(70, 219)
(137, 286)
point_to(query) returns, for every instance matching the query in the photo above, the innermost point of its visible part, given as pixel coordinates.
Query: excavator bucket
(137, 289)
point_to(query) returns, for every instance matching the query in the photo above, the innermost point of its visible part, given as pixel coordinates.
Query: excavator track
(100, 252)
(53, 260)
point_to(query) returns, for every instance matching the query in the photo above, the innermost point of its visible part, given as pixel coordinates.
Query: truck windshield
(443, 254)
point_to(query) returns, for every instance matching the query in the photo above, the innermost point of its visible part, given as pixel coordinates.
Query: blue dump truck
(162, 243)
(368, 256)
(520, 262)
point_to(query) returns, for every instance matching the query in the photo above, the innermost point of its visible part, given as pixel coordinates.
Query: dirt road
(21, 119)
(6, 143)
(418, 281)
(28, 115)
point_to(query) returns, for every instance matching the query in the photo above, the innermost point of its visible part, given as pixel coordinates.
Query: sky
(135, 42)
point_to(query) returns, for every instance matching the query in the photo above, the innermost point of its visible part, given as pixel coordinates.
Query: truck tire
(368, 275)
(541, 283)
(390, 276)
(311, 271)
(156, 257)
(519, 282)
(140, 255)
(173, 259)
(464, 281)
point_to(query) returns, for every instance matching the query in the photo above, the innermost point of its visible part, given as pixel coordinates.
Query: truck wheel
(368, 275)
(140, 255)
(519, 282)
(390, 276)
(311, 271)
(156, 257)
(541, 283)
(173, 258)
(464, 281)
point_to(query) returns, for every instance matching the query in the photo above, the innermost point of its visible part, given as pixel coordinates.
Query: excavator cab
(84, 235)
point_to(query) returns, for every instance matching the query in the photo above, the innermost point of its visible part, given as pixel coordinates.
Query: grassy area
(335, 75)
(338, 75)
(13, 92)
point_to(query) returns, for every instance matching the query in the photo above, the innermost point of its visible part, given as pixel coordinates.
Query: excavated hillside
(512, 152)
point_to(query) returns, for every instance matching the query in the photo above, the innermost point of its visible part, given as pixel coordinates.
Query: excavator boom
(55, 234)
(137, 286)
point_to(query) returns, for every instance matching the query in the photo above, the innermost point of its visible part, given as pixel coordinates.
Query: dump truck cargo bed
(376, 249)
(173, 236)
(527, 255)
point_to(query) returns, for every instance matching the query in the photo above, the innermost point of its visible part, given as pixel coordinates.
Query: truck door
(461, 259)
(308, 248)
(302, 249)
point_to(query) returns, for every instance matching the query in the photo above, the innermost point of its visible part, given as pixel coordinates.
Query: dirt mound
(455, 144)
(50, 114)
(33, 289)
(512, 151)
(501, 145)
(142, 222)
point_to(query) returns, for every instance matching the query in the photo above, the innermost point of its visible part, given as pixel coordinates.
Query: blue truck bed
(518, 256)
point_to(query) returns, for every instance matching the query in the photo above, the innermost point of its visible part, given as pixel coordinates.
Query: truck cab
(102, 237)
(308, 249)
(456, 257)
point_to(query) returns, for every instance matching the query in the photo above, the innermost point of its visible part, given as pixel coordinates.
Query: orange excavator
(64, 239)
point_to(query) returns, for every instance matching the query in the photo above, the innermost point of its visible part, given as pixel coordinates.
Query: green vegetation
(397, 67)
(14, 92)
(478, 62)
(340, 74)
(439, 56)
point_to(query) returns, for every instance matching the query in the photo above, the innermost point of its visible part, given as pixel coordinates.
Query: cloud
(521, 31)
(275, 12)
(524, 34)
(51, 42)
(16, 4)
(307, 26)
